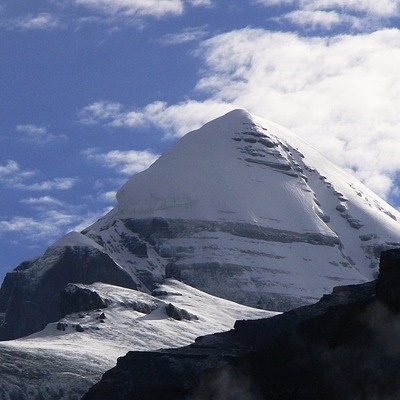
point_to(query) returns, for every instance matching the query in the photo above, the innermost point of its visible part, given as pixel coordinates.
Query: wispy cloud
(175, 120)
(201, 3)
(41, 21)
(100, 112)
(321, 19)
(10, 167)
(109, 196)
(12, 172)
(48, 220)
(384, 7)
(46, 226)
(42, 201)
(134, 10)
(125, 162)
(12, 176)
(48, 185)
(356, 15)
(38, 134)
(30, 227)
(109, 12)
(154, 8)
(191, 34)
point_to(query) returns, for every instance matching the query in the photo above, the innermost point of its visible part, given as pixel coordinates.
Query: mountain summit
(241, 209)
(244, 209)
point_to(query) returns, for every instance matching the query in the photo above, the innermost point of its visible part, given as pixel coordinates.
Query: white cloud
(269, 3)
(126, 162)
(357, 15)
(138, 8)
(38, 134)
(51, 220)
(53, 184)
(10, 167)
(322, 19)
(202, 3)
(128, 12)
(187, 35)
(175, 120)
(119, 13)
(28, 226)
(41, 21)
(100, 111)
(380, 8)
(384, 8)
(109, 196)
(13, 177)
(11, 173)
(42, 201)
(45, 226)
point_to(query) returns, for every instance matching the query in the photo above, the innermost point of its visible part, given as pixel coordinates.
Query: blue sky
(92, 91)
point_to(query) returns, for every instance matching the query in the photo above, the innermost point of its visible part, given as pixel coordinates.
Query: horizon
(93, 91)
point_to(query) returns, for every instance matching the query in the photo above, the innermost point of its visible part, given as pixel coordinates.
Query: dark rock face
(346, 346)
(179, 313)
(74, 299)
(387, 289)
(30, 295)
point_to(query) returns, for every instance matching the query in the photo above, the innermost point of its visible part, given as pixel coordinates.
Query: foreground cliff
(344, 347)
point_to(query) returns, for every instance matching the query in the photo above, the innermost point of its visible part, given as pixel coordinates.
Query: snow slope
(64, 364)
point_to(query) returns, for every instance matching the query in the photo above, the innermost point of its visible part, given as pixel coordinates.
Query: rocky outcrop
(179, 313)
(74, 299)
(30, 295)
(343, 347)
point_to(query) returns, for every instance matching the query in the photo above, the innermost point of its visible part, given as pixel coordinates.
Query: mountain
(343, 347)
(245, 210)
(239, 217)
(241, 209)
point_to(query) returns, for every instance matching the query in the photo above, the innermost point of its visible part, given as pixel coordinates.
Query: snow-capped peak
(231, 169)
(252, 196)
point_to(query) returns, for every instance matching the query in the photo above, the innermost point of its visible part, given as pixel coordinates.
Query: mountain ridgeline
(241, 209)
